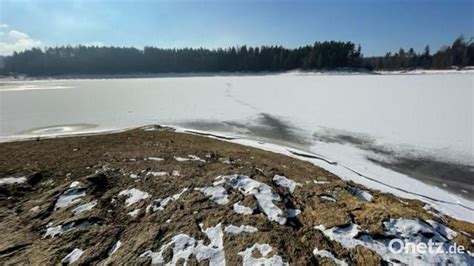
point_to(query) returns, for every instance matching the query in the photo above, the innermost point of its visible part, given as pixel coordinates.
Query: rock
(99, 182)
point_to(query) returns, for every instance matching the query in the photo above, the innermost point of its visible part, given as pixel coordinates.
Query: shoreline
(239, 74)
(440, 199)
(459, 208)
(138, 189)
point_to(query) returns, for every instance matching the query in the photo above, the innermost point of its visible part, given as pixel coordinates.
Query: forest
(327, 55)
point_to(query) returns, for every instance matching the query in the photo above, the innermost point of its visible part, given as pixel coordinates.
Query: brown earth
(104, 163)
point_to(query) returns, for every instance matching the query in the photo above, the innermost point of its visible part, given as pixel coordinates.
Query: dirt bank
(156, 195)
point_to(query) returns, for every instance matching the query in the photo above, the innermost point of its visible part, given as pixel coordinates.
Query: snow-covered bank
(467, 70)
(373, 177)
(349, 164)
(349, 71)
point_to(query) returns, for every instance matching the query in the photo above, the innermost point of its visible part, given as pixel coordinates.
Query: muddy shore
(121, 179)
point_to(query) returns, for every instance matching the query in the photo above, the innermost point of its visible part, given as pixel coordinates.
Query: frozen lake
(419, 126)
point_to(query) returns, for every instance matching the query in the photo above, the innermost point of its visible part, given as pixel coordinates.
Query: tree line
(326, 55)
(459, 54)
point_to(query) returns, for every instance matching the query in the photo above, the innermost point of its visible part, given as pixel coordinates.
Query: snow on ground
(376, 177)
(134, 213)
(435, 115)
(84, 207)
(156, 159)
(282, 181)
(327, 254)
(175, 173)
(157, 174)
(12, 180)
(115, 248)
(75, 184)
(160, 204)
(73, 256)
(443, 230)
(218, 194)
(184, 246)
(238, 208)
(181, 159)
(263, 193)
(60, 229)
(327, 198)
(320, 182)
(133, 196)
(69, 197)
(407, 231)
(54, 231)
(232, 229)
(264, 249)
(189, 158)
(361, 194)
(467, 70)
(196, 158)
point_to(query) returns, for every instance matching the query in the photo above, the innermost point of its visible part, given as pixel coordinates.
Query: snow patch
(69, 197)
(407, 230)
(155, 159)
(282, 181)
(84, 207)
(361, 194)
(264, 249)
(262, 192)
(218, 194)
(73, 256)
(157, 174)
(134, 213)
(321, 182)
(54, 231)
(196, 158)
(12, 180)
(327, 198)
(181, 159)
(189, 158)
(115, 248)
(160, 204)
(61, 229)
(443, 230)
(133, 195)
(184, 246)
(242, 209)
(232, 229)
(327, 254)
(75, 184)
(176, 173)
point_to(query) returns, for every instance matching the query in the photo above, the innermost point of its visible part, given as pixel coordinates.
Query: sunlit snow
(184, 246)
(133, 195)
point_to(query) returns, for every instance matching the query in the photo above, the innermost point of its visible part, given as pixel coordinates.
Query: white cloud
(17, 35)
(13, 40)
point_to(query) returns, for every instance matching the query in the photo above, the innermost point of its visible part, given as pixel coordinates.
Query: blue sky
(378, 25)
